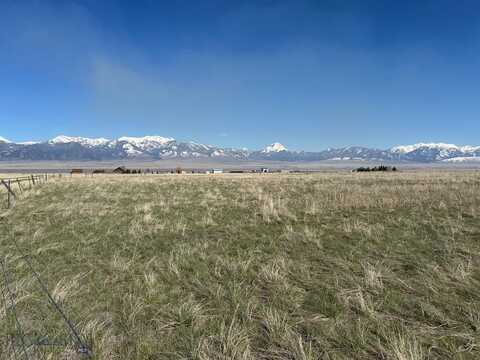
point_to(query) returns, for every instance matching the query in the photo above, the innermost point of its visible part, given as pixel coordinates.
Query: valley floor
(280, 266)
(8, 167)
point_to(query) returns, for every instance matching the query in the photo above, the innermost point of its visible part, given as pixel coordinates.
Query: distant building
(120, 170)
(215, 171)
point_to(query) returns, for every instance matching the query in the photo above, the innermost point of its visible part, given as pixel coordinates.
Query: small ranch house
(120, 170)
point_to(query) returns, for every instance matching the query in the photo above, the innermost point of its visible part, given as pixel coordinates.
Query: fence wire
(20, 350)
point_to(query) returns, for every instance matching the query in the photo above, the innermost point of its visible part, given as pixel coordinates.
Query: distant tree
(382, 168)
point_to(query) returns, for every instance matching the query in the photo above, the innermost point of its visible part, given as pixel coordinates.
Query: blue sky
(308, 73)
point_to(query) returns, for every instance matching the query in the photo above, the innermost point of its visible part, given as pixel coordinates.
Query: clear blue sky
(308, 73)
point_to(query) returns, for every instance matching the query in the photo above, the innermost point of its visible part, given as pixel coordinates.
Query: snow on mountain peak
(146, 141)
(275, 147)
(28, 143)
(404, 149)
(469, 148)
(443, 147)
(62, 139)
(159, 147)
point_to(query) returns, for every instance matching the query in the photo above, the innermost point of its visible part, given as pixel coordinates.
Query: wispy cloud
(125, 92)
(303, 69)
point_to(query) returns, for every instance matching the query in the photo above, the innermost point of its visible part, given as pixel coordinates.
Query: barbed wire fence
(10, 309)
(12, 187)
(15, 344)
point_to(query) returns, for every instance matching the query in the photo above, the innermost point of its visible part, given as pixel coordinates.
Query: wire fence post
(32, 180)
(10, 194)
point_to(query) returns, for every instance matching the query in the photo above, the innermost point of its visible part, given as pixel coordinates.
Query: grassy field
(325, 266)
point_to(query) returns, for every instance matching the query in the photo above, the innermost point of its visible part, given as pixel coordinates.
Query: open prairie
(28, 167)
(280, 266)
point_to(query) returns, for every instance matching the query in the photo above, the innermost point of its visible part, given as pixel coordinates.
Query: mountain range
(157, 147)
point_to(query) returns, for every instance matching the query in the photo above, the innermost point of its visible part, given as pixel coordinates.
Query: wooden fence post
(10, 193)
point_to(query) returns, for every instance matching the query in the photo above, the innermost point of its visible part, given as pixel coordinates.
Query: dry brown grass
(325, 266)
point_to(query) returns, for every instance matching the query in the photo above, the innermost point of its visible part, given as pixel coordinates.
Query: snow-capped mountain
(428, 152)
(446, 148)
(146, 142)
(157, 147)
(81, 148)
(275, 147)
(62, 139)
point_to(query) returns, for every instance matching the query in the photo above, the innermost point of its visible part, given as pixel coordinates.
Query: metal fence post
(8, 195)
